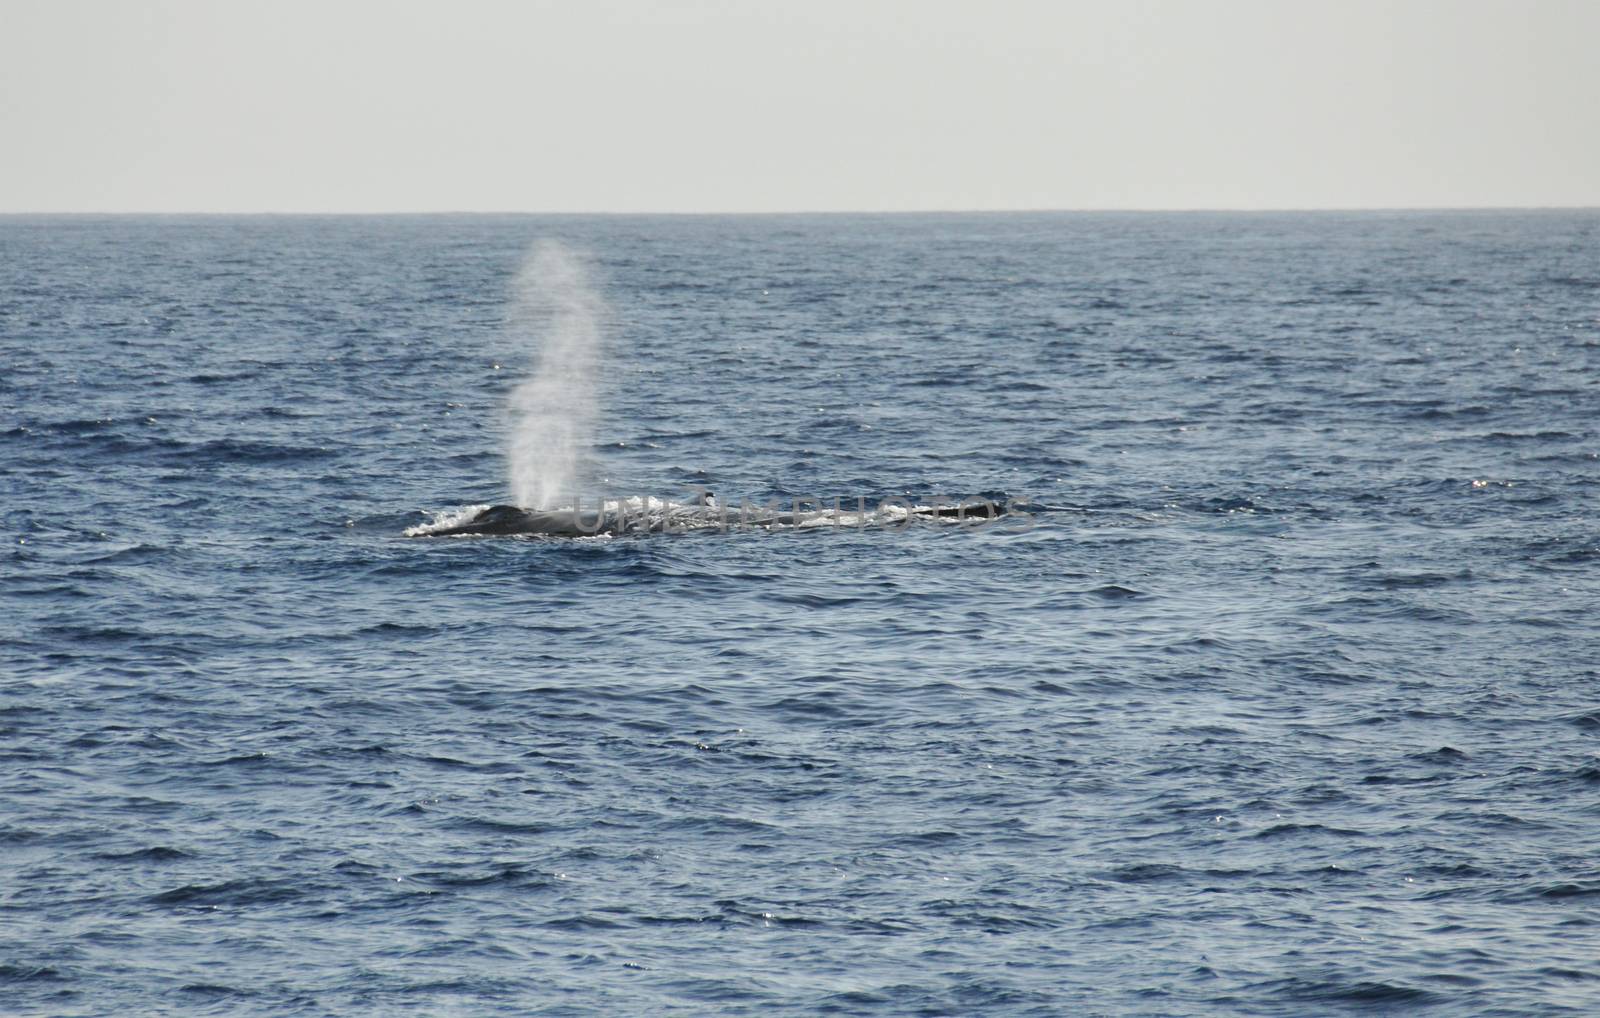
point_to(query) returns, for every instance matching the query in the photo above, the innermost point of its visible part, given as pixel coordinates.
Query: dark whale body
(511, 521)
(508, 520)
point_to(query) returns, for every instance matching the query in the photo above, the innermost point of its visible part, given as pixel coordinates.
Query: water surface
(1288, 705)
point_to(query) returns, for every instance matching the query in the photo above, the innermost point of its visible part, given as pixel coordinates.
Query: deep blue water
(1288, 704)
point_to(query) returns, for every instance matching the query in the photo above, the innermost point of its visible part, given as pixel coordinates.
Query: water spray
(556, 309)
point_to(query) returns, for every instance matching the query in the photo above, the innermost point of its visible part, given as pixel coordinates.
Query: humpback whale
(645, 516)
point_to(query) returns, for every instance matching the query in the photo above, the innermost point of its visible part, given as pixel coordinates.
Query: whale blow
(556, 308)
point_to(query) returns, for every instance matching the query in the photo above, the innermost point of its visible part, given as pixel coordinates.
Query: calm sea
(1286, 700)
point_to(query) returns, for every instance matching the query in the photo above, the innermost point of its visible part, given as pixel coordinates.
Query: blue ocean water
(1286, 701)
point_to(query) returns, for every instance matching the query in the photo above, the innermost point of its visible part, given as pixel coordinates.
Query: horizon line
(1056, 210)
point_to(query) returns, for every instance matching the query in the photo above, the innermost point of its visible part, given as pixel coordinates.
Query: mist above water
(556, 311)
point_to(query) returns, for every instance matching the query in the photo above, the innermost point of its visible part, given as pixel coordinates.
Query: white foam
(444, 519)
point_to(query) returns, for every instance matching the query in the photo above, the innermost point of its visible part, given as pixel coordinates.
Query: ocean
(1282, 697)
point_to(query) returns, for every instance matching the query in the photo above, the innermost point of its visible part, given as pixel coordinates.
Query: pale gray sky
(658, 105)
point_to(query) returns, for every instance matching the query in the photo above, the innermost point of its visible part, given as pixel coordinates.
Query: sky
(800, 105)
